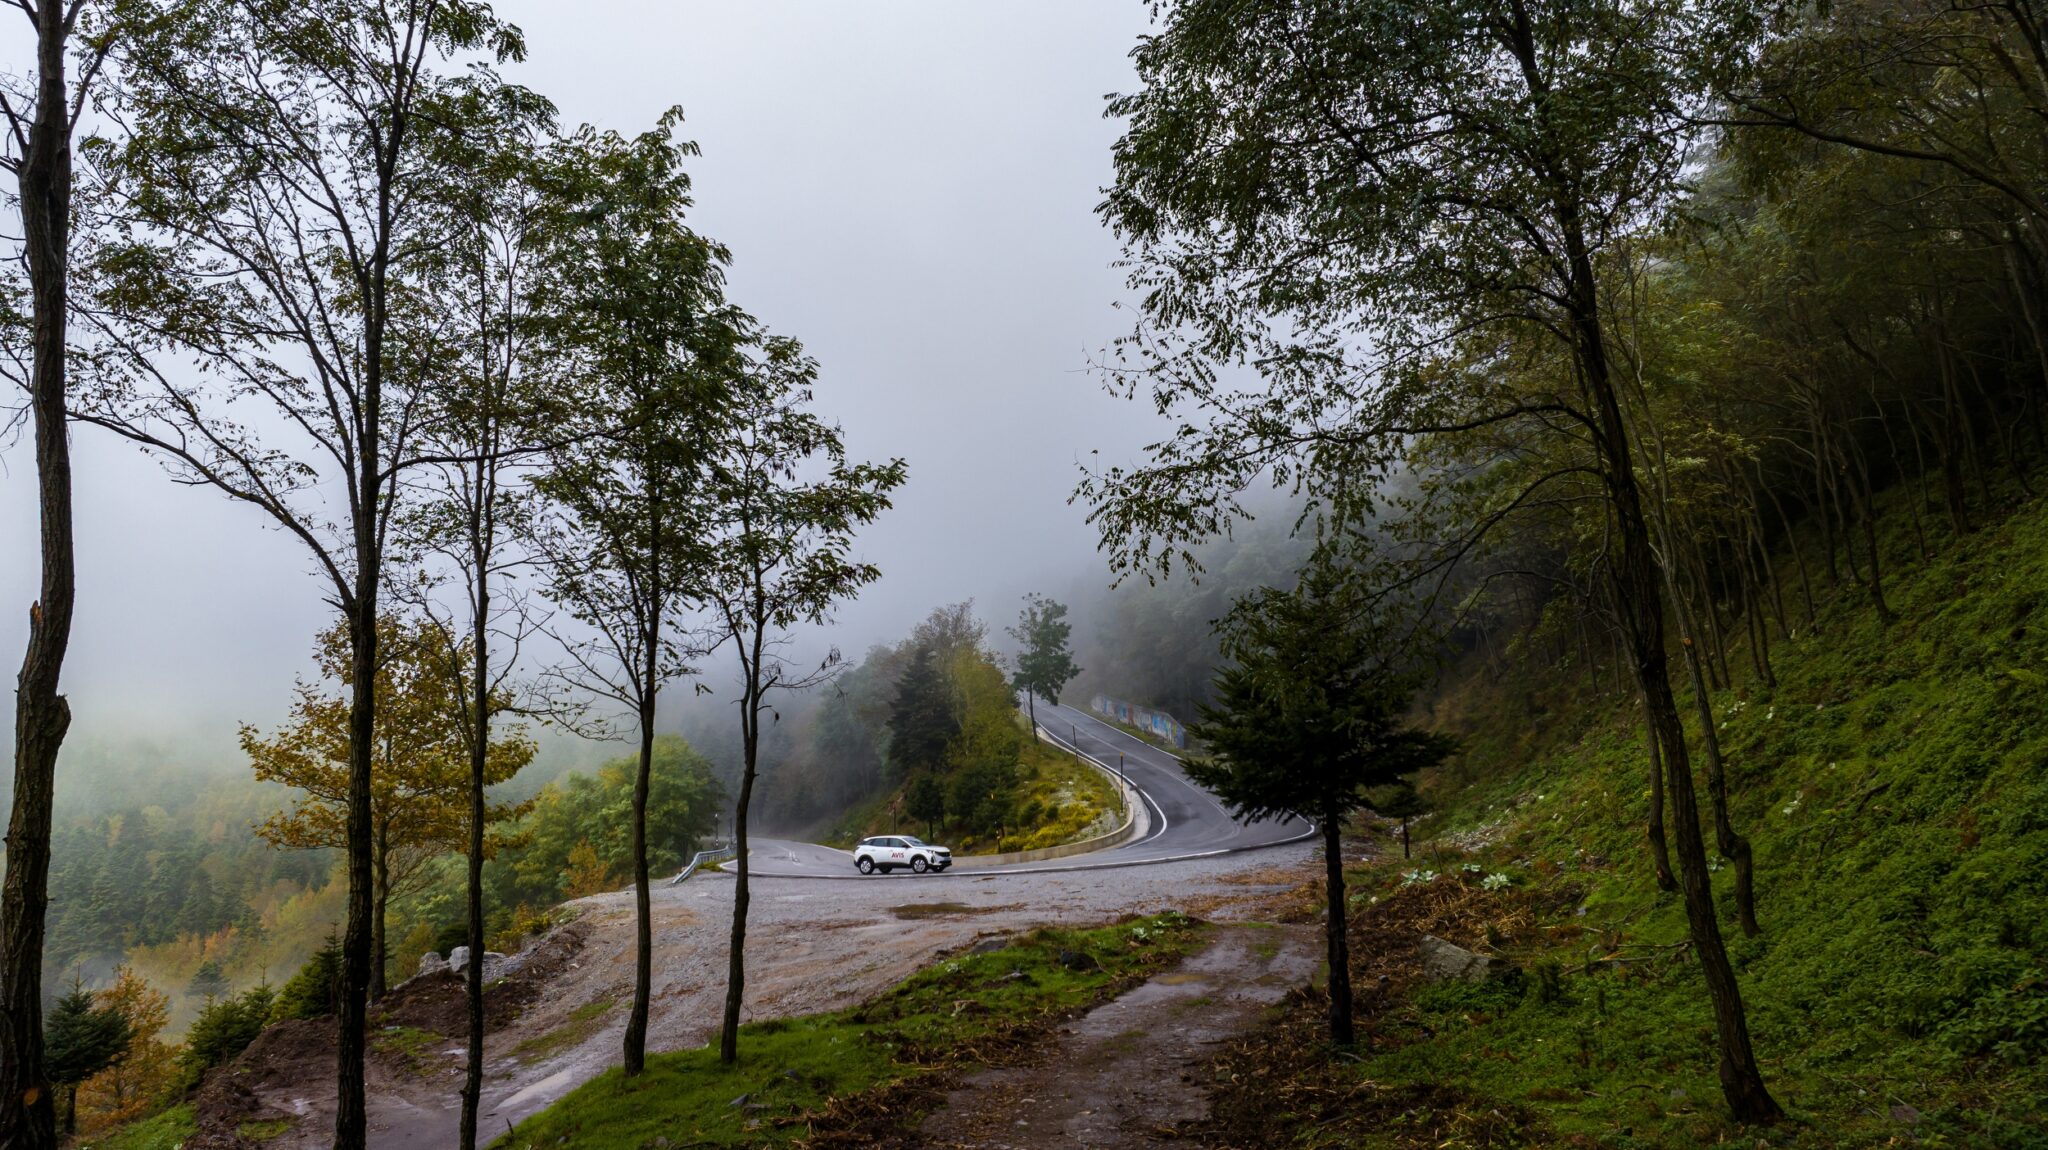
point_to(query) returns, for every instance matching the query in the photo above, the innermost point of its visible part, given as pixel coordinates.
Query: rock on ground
(1448, 962)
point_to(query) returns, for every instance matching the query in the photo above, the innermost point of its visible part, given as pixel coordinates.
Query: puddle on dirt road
(917, 910)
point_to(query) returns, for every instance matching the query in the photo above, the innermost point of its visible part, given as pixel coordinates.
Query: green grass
(1894, 785)
(264, 1130)
(793, 1071)
(1072, 800)
(165, 1131)
(410, 1047)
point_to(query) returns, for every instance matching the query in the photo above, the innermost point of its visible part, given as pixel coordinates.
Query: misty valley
(1311, 574)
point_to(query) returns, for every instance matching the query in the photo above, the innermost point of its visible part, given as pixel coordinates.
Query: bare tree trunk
(1820, 501)
(1341, 1032)
(736, 952)
(380, 903)
(1947, 449)
(752, 656)
(28, 1117)
(1866, 509)
(1660, 851)
(643, 934)
(351, 1015)
(473, 906)
(1733, 847)
(1640, 599)
(1798, 557)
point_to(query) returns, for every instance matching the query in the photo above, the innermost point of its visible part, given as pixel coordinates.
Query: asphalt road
(1183, 820)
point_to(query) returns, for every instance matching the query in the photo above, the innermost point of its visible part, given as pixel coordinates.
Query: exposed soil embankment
(285, 1077)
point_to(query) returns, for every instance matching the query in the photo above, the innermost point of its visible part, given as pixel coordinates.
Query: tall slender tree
(273, 186)
(638, 314)
(786, 504)
(1044, 666)
(41, 122)
(490, 412)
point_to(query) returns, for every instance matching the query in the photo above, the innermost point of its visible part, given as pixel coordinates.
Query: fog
(908, 188)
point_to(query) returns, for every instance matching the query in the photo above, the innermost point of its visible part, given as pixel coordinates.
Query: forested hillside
(1662, 369)
(164, 859)
(1890, 783)
(924, 733)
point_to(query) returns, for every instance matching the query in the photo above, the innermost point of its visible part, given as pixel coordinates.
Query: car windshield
(911, 842)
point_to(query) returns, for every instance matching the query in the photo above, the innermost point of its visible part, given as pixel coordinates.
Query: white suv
(887, 852)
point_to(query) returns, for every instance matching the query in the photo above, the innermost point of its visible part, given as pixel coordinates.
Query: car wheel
(866, 865)
(919, 865)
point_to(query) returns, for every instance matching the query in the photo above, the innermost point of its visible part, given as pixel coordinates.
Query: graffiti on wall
(1147, 719)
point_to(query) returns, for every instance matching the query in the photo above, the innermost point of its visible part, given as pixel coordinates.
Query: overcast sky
(908, 188)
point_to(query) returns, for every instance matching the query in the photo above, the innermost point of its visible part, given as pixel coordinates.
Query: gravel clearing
(812, 945)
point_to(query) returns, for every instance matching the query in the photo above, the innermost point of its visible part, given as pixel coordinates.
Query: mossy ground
(1894, 784)
(838, 1072)
(582, 1022)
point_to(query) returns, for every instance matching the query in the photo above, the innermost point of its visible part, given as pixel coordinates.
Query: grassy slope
(1069, 800)
(803, 1075)
(1895, 788)
(165, 1131)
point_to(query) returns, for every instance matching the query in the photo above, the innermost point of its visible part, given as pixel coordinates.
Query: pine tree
(208, 982)
(1308, 719)
(921, 720)
(199, 912)
(82, 1039)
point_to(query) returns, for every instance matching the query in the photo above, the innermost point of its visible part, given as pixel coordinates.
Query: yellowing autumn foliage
(419, 806)
(136, 1081)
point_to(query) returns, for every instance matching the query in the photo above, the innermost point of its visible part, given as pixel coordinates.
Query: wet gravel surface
(812, 945)
(1132, 1072)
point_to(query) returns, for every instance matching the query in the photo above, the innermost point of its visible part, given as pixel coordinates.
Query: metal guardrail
(699, 859)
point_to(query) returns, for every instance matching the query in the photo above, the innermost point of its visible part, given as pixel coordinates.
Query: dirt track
(1132, 1072)
(812, 945)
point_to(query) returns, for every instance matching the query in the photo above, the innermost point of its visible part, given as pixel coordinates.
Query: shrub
(311, 993)
(450, 936)
(223, 1029)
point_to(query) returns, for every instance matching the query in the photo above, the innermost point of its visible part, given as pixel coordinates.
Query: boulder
(1448, 962)
(1079, 961)
(458, 961)
(429, 963)
(990, 945)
